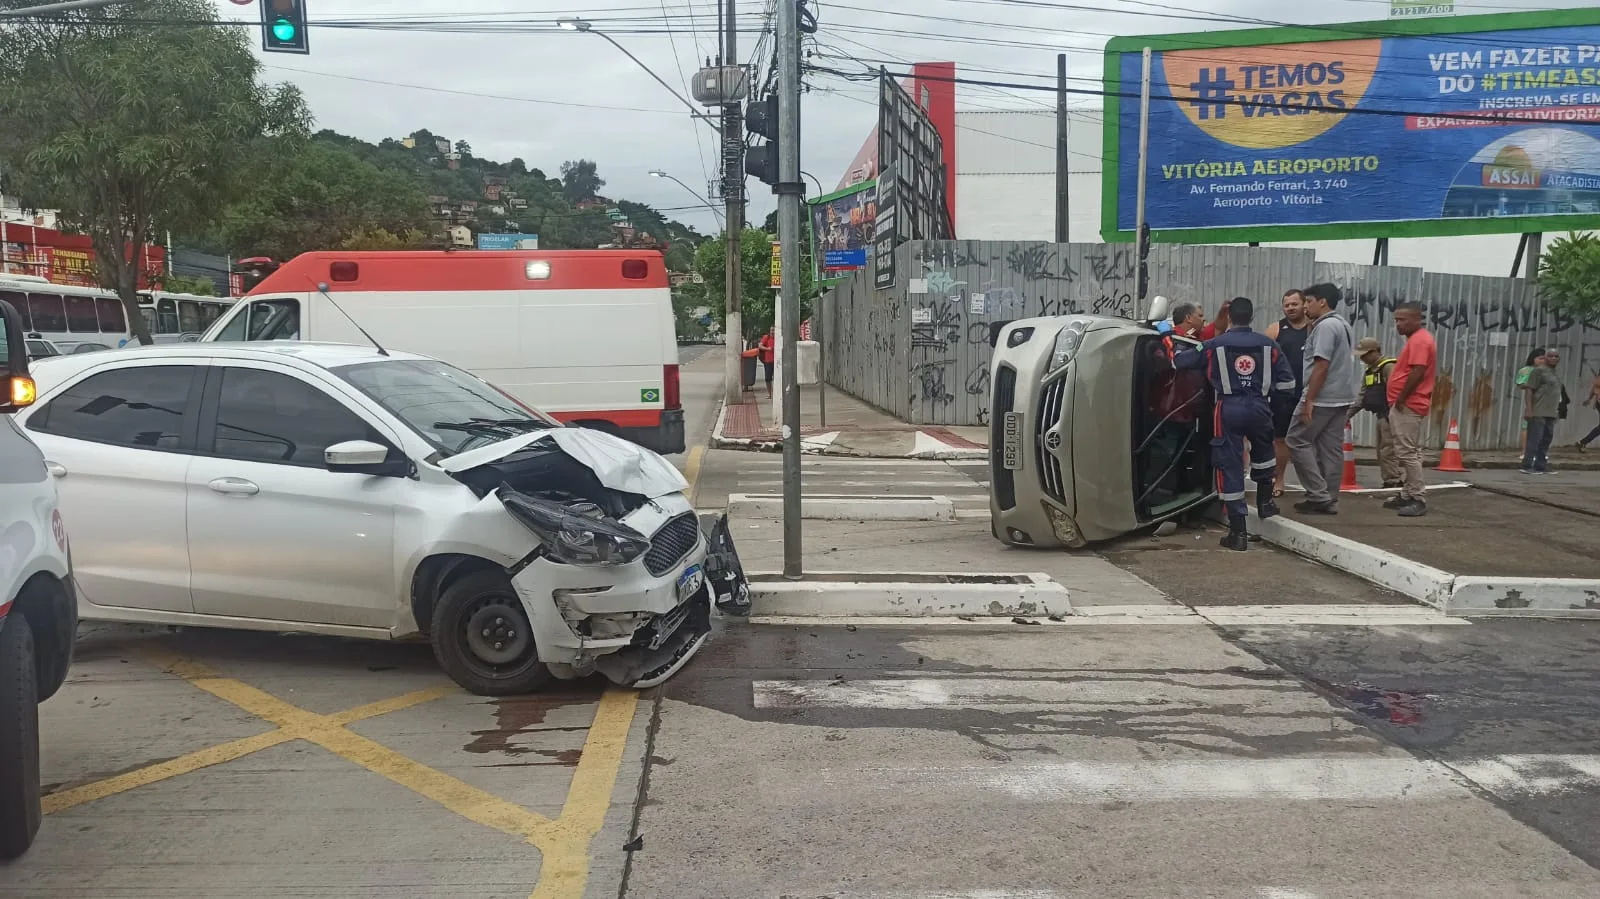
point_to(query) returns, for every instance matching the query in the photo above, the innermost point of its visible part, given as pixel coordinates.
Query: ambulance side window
(264, 320)
(234, 330)
(275, 320)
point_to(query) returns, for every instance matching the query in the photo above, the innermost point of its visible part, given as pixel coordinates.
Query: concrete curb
(1420, 582)
(846, 507)
(1456, 595)
(1564, 463)
(849, 595)
(1524, 597)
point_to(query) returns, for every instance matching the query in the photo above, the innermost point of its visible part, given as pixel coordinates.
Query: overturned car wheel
(482, 638)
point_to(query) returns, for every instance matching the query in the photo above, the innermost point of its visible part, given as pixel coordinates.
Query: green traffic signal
(283, 30)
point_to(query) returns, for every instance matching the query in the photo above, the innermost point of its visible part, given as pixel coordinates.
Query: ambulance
(586, 336)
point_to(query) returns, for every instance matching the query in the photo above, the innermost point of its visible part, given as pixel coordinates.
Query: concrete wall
(920, 350)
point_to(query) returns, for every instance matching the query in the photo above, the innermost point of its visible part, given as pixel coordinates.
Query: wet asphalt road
(796, 762)
(1460, 694)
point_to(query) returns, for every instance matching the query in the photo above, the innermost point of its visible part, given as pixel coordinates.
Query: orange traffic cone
(1349, 482)
(1450, 459)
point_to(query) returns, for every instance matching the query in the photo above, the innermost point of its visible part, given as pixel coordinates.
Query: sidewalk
(1511, 544)
(853, 428)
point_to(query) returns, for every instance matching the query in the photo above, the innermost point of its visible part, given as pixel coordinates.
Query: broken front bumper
(635, 627)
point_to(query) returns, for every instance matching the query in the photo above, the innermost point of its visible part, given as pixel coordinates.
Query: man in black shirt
(1290, 333)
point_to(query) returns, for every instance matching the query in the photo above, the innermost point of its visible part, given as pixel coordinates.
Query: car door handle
(234, 487)
(56, 469)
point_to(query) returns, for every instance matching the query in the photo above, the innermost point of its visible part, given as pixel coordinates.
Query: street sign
(777, 267)
(508, 241)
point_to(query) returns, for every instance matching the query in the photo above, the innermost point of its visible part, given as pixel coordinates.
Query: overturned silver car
(1094, 434)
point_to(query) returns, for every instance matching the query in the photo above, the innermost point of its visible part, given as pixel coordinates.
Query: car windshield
(40, 348)
(451, 409)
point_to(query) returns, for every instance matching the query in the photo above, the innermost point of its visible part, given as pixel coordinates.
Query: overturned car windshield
(450, 408)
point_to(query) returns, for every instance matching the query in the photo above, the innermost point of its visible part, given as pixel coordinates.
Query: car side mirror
(17, 390)
(366, 457)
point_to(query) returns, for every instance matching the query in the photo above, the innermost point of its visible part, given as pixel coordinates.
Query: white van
(584, 335)
(38, 610)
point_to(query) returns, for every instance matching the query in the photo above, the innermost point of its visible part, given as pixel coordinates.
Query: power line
(1509, 117)
(460, 93)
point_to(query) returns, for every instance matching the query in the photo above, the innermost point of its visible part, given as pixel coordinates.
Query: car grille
(1050, 477)
(1005, 396)
(670, 544)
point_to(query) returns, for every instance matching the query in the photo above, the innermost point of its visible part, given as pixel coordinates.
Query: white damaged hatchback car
(349, 491)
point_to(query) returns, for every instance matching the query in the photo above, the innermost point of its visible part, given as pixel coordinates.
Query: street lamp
(715, 212)
(576, 24)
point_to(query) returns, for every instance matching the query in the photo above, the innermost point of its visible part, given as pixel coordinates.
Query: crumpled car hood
(617, 463)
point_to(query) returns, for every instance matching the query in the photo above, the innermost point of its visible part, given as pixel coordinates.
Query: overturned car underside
(574, 502)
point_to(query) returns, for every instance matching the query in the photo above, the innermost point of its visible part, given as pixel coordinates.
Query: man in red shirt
(1189, 320)
(1410, 399)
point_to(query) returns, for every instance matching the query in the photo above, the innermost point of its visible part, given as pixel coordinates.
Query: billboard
(1405, 128)
(913, 180)
(842, 226)
(508, 241)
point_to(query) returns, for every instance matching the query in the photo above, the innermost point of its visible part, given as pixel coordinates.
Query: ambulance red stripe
(464, 270)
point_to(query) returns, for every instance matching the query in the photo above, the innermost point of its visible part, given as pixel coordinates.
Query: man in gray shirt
(1332, 386)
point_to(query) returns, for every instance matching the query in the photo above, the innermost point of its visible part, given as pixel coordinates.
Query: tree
(757, 296)
(580, 180)
(200, 287)
(463, 149)
(1569, 276)
(317, 196)
(383, 239)
(127, 128)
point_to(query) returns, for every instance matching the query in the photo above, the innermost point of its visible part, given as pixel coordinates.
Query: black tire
(503, 663)
(19, 738)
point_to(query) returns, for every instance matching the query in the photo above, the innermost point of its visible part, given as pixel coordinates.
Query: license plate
(689, 582)
(1011, 442)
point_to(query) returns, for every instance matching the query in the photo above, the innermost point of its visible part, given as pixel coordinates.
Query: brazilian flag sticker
(650, 395)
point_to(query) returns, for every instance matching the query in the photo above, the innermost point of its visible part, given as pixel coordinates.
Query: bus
(78, 319)
(180, 317)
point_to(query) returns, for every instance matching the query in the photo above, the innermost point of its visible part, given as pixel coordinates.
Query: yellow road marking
(329, 732)
(691, 470)
(563, 844)
(564, 871)
(225, 752)
(183, 764)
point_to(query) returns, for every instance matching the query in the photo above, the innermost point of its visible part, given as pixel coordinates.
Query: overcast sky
(433, 64)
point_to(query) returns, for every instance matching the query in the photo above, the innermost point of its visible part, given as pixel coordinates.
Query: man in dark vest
(1245, 369)
(1375, 399)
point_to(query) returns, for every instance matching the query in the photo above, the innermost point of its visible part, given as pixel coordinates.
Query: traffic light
(283, 26)
(761, 119)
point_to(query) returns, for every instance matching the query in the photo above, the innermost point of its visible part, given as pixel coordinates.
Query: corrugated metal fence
(920, 350)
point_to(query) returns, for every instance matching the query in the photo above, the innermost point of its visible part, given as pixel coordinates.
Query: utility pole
(733, 216)
(1141, 227)
(791, 191)
(1063, 150)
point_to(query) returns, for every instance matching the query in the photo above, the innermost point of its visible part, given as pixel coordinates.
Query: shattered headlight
(576, 533)
(1067, 344)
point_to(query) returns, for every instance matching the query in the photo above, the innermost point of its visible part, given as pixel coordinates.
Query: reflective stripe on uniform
(1230, 497)
(1263, 466)
(1222, 372)
(1266, 370)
